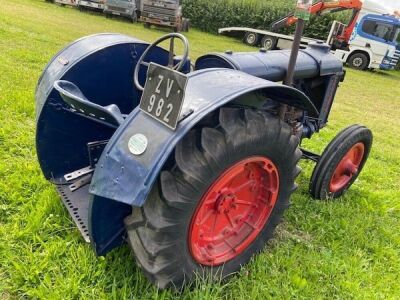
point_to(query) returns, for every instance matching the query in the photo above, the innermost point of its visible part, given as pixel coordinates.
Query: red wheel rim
(233, 211)
(347, 168)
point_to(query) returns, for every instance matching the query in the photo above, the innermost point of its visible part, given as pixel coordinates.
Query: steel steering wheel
(177, 67)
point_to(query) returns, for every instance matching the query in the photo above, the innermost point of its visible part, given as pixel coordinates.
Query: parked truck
(124, 8)
(370, 40)
(164, 13)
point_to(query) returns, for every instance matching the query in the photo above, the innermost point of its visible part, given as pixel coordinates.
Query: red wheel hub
(233, 211)
(347, 168)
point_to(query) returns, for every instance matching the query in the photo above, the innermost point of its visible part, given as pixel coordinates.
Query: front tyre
(221, 201)
(341, 163)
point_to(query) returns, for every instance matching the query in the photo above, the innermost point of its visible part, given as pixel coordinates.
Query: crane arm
(318, 8)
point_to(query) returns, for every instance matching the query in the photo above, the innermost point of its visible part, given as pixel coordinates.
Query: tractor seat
(74, 97)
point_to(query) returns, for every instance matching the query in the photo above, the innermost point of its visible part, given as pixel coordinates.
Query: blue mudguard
(102, 66)
(127, 178)
(122, 179)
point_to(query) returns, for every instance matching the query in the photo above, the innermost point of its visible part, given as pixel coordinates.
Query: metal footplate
(77, 204)
(75, 196)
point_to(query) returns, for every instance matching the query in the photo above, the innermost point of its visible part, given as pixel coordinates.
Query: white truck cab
(374, 42)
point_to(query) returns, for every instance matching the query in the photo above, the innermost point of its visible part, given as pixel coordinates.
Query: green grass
(344, 249)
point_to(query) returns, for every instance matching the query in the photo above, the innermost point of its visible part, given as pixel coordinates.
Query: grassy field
(344, 249)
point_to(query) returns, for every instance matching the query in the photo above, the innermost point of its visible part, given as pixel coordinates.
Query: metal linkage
(310, 155)
(78, 173)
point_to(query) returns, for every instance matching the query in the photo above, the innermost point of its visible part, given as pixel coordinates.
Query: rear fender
(127, 178)
(122, 180)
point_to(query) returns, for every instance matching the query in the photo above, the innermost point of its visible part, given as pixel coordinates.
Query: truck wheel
(134, 17)
(219, 202)
(269, 42)
(341, 163)
(251, 38)
(146, 25)
(358, 61)
(185, 25)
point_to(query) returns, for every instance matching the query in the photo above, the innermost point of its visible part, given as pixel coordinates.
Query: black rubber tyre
(358, 61)
(146, 25)
(269, 42)
(332, 156)
(134, 17)
(158, 232)
(251, 38)
(185, 25)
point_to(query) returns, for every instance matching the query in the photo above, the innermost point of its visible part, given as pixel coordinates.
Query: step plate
(77, 204)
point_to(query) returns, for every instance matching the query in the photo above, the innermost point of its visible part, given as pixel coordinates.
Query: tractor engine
(317, 74)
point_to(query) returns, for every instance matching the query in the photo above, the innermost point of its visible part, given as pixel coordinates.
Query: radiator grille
(162, 11)
(116, 8)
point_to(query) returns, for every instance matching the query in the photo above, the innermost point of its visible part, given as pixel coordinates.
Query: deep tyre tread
(158, 232)
(333, 154)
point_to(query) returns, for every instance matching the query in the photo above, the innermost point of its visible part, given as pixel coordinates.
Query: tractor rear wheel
(341, 163)
(219, 203)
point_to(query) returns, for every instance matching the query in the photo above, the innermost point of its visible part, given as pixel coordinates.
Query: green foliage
(209, 15)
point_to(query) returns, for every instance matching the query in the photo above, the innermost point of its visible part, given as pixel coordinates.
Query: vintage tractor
(192, 164)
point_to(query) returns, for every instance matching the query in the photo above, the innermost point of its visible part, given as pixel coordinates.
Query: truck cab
(166, 13)
(374, 41)
(125, 8)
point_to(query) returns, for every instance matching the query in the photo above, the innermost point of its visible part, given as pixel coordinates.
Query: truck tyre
(146, 25)
(218, 201)
(134, 17)
(358, 61)
(185, 25)
(251, 38)
(341, 163)
(269, 42)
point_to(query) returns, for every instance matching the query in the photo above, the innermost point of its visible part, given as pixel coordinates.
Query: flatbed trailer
(267, 39)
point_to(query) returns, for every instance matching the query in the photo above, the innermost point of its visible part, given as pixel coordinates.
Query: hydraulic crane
(322, 7)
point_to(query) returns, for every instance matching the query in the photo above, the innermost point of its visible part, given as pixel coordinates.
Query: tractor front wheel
(220, 201)
(341, 163)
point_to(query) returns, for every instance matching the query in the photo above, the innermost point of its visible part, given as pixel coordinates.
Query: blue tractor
(191, 163)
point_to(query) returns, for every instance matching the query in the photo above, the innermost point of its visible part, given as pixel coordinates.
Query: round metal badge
(138, 144)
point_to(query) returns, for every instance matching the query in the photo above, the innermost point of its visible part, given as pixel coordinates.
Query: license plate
(163, 94)
(116, 13)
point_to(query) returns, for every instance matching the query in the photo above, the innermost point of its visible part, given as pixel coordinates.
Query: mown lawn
(344, 249)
